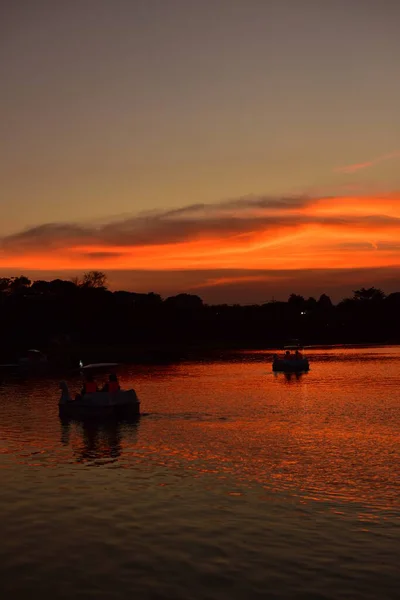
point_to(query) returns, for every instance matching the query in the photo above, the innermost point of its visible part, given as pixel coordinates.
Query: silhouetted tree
(40, 287)
(296, 301)
(5, 284)
(153, 299)
(19, 284)
(61, 287)
(184, 301)
(94, 279)
(346, 304)
(310, 304)
(150, 300)
(368, 294)
(393, 299)
(77, 281)
(90, 316)
(325, 302)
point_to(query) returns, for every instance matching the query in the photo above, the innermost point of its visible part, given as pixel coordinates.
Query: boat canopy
(99, 366)
(293, 347)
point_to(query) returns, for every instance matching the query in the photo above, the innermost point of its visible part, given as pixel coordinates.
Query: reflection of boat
(123, 403)
(98, 440)
(292, 376)
(289, 376)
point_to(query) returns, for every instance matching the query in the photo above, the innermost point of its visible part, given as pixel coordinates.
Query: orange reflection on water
(331, 435)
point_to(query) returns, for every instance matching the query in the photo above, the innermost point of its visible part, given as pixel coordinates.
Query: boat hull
(291, 366)
(103, 405)
(75, 411)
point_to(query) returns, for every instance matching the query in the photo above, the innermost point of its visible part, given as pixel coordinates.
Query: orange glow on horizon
(343, 232)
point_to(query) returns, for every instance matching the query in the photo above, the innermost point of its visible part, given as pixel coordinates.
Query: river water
(237, 483)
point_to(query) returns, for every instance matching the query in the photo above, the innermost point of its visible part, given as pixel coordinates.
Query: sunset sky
(236, 149)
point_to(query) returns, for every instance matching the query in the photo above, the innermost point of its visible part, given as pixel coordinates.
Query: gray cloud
(237, 216)
(102, 255)
(48, 235)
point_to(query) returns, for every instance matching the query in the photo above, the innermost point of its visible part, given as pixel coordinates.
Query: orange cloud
(248, 233)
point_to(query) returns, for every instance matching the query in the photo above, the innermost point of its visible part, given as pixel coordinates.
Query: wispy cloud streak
(369, 163)
(235, 218)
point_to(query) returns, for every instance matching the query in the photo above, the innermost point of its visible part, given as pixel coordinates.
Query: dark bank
(83, 320)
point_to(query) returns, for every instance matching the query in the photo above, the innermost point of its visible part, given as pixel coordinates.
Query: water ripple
(238, 483)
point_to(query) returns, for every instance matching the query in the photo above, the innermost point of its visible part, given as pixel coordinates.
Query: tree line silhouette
(74, 319)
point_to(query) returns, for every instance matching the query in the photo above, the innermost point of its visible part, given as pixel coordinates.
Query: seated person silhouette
(89, 386)
(111, 385)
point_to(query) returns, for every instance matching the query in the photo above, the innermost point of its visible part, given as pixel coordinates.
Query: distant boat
(33, 357)
(33, 361)
(293, 363)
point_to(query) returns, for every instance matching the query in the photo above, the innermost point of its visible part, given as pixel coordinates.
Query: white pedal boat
(123, 403)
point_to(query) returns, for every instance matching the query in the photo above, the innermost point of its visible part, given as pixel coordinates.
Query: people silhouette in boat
(289, 356)
(112, 385)
(89, 385)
